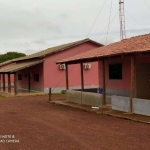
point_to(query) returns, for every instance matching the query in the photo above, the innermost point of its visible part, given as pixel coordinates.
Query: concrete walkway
(105, 111)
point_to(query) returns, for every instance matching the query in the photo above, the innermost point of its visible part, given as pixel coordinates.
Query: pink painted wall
(54, 77)
(6, 79)
(121, 87)
(123, 84)
(91, 75)
(32, 70)
(113, 86)
(6, 76)
(143, 59)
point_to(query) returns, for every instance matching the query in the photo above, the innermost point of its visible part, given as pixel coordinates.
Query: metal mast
(122, 20)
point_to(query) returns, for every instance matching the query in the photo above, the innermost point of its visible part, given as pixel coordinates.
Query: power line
(77, 51)
(96, 19)
(107, 25)
(109, 22)
(62, 79)
(136, 20)
(86, 37)
(146, 4)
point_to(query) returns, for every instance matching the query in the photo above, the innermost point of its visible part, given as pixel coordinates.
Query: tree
(10, 55)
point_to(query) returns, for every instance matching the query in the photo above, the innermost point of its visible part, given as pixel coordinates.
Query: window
(115, 71)
(19, 76)
(36, 77)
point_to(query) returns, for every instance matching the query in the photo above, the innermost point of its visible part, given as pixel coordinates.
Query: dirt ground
(31, 123)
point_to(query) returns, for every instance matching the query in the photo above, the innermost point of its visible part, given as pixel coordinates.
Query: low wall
(92, 99)
(76, 88)
(120, 103)
(32, 88)
(108, 99)
(87, 98)
(141, 106)
(74, 96)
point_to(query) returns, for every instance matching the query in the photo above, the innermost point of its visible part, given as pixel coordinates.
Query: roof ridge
(57, 49)
(12, 60)
(140, 43)
(51, 50)
(142, 35)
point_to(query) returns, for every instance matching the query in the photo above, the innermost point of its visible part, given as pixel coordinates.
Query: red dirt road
(39, 125)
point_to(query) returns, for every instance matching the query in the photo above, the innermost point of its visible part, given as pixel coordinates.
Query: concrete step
(107, 106)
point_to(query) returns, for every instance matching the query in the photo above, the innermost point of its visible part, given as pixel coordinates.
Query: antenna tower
(122, 20)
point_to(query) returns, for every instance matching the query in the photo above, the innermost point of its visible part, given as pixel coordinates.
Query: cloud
(63, 16)
(40, 41)
(33, 25)
(49, 26)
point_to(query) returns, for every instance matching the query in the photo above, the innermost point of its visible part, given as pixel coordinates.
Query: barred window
(115, 71)
(36, 77)
(19, 76)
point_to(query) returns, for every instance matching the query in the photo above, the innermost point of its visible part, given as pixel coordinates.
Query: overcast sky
(29, 26)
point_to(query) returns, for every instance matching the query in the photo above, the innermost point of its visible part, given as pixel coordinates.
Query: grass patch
(63, 92)
(56, 93)
(1, 96)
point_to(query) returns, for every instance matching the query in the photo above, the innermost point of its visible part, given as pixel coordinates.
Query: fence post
(50, 94)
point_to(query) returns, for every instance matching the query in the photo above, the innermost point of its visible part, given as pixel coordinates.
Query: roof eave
(99, 57)
(15, 70)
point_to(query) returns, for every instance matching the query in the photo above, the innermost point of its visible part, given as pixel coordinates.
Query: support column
(103, 80)
(132, 88)
(0, 82)
(67, 82)
(82, 76)
(99, 74)
(16, 83)
(4, 82)
(9, 83)
(29, 82)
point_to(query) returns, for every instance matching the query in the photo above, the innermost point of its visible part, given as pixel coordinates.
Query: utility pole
(122, 20)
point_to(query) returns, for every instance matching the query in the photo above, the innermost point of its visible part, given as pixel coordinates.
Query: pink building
(39, 71)
(124, 75)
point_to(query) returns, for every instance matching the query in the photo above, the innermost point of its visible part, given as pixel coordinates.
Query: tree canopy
(10, 55)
